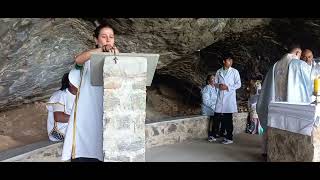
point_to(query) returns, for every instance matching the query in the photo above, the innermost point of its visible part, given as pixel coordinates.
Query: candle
(316, 85)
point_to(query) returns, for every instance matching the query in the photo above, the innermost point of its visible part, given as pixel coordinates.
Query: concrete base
(246, 148)
(44, 151)
(176, 130)
(285, 146)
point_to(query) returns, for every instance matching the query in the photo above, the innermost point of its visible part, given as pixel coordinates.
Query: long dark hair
(65, 82)
(208, 78)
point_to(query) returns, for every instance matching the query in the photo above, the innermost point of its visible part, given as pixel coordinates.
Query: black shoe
(264, 154)
(265, 157)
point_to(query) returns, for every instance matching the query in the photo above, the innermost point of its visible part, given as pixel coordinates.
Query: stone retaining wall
(159, 133)
(285, 146)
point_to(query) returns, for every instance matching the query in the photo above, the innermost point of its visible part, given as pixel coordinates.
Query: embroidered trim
(64, 107)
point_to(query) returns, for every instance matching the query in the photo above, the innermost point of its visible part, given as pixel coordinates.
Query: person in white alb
(60, 106)
(275, 88)
(83, 142)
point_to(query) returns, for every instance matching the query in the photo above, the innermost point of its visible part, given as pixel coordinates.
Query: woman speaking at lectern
(83, 141)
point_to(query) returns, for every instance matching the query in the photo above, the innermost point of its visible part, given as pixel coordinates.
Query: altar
(293, 132)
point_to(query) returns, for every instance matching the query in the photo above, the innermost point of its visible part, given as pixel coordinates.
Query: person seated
(60, 106)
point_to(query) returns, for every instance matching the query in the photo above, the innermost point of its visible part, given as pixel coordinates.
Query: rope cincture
(73, 151)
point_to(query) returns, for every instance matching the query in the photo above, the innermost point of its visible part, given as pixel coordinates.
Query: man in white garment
(274, 88)
(300, 84)
(83, 141)
(60, 106)
(307, 56)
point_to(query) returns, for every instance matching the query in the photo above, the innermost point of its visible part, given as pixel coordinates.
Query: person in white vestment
(300, 84)
(274, 88)
(307, 56)
(60, 106)
(83, 141)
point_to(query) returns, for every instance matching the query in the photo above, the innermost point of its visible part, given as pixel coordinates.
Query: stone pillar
(285, 146)
(124, 105)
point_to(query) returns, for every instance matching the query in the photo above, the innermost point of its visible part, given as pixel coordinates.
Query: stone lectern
(124, 77)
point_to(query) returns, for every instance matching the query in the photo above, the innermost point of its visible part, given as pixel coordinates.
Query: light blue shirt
(224, 71)
(209, 98)
(300, 85)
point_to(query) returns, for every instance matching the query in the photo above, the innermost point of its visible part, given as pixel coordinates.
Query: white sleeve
(58, 108)
(57, 102)
(236, 83)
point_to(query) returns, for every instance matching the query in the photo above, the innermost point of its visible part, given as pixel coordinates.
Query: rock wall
(175, 130)
(36, 52)
(34, 55)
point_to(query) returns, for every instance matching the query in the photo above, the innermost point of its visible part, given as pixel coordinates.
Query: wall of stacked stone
(175, 131)
(50, 153)
(183, 129)
(159, 133)
(239, 122)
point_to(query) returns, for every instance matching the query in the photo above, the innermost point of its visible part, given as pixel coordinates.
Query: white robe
(226, 101)
(274, 87)
(281, 77)
(60, 101)
(299, 82)
(88, 110)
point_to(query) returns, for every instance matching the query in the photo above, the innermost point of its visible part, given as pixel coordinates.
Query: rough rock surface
(36, 52)
(34, 55)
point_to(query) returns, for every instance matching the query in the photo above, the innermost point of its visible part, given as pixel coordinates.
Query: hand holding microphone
(109, 48)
